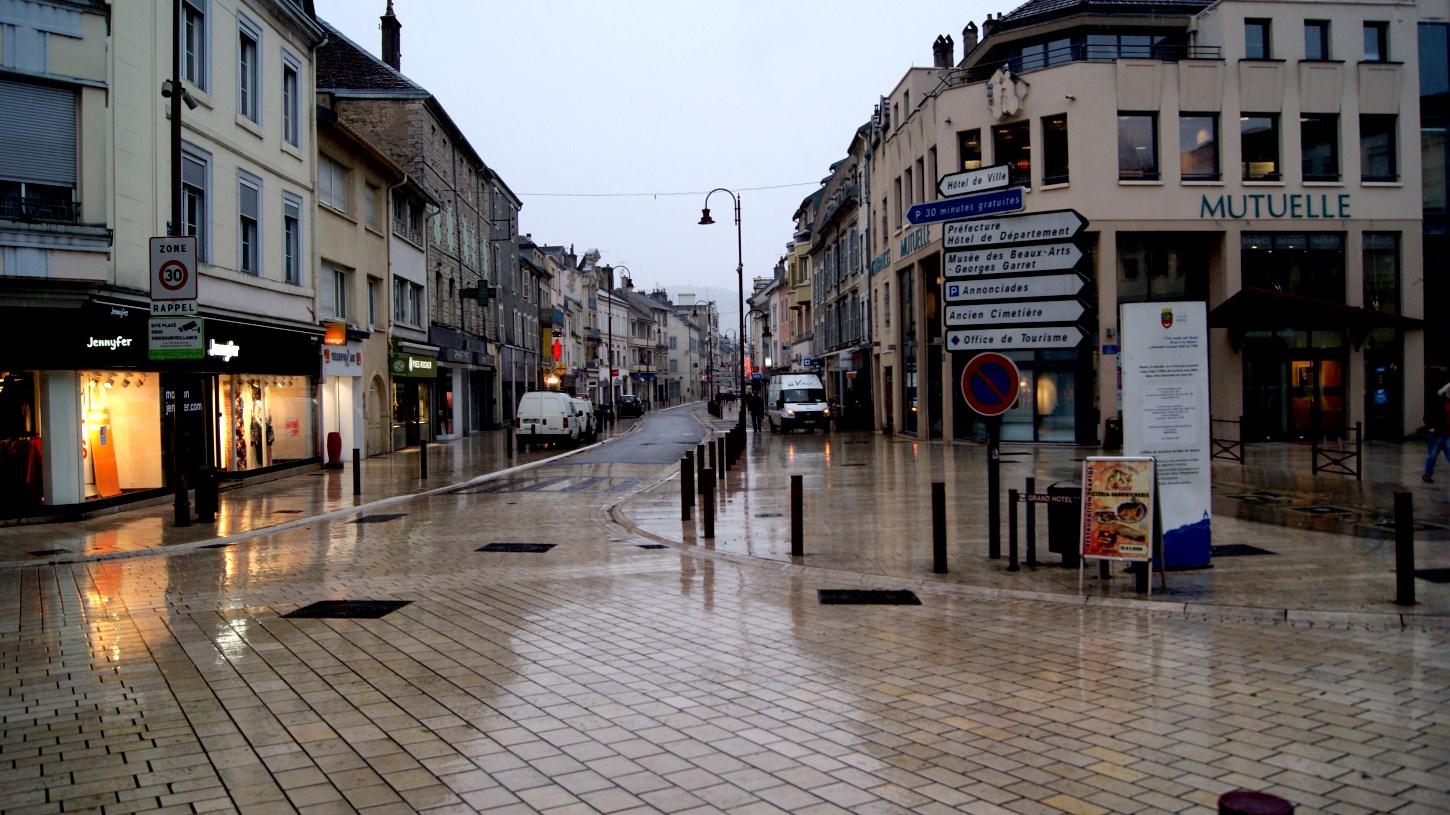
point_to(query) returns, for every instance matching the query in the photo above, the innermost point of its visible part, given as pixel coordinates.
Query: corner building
(1260, 157)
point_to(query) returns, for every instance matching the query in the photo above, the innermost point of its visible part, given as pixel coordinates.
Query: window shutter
(193, 172)
(247, 202)
(37, 134)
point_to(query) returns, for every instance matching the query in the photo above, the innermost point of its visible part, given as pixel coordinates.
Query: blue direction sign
(990, 384)
(967, 206)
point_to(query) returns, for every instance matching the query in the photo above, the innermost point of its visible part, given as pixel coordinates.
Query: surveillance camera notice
(1117, 508)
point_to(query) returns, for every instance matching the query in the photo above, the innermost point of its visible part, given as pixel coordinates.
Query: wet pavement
(551, 637)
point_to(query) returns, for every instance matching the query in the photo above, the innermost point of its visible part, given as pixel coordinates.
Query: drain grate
(1323, 509)
(348, 609)
(769, 515)
(1236, 550)
(653, 546)
(216, 546)
(380, 519)
(516, 547)
(49, 552)
(867, 597)
(855, 464)
(1434, 575)
(1259, 497)
(286, 512)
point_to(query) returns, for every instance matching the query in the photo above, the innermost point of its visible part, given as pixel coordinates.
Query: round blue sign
(990, 383)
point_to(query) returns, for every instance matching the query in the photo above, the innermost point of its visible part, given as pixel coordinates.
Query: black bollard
(687, 484)
(1404, 548)
(938, 527)
(707, 493)
(509, 443)
(797, 517)
(356, 471)
(713, 464)
(1105, 571)
(1012, 531)
(1031, 523)
(700, 468)
(724, 457)
(423, 459)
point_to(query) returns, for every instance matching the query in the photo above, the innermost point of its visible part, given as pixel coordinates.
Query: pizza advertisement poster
(1117, 508)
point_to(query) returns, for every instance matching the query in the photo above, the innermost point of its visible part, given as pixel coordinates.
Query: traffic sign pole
(994, 487)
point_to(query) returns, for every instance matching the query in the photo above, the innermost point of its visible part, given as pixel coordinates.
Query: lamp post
(706, 220)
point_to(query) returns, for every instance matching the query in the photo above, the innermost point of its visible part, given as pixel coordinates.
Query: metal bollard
(1246, 802)
(797, 517)
(423, 459)
(687, 484)
(714, 465)
(700, 468)
(1031, 523)
(1404, 548)
(724, 458)
(356, 471)
(707, 492)
(509, 443)
(1012, 531)
(938, 527)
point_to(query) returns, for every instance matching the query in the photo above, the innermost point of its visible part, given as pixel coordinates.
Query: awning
(1252, 309)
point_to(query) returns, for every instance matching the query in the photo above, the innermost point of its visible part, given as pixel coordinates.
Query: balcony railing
(1083, 52)
(401, 227)
(40, 210)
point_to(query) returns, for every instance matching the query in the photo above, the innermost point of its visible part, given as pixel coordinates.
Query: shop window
(1316, 40)
(264, 420)
(1137, 147)
(1259, 139)
(22, 486)
(1011, 145)
(1163, 266)
(1319, 138)
(1054, 149)
(1198, 147)
(1378, 157)
(1376, 41)
(1382, 271)
(1257, 42)
(120, 433)
(969, 149)
(1307, 265)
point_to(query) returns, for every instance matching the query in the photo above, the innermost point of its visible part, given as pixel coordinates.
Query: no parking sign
(990, 383)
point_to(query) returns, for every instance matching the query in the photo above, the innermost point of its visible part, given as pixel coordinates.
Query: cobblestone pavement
(604, 674)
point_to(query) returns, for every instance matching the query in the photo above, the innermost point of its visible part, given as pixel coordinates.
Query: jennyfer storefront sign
(410, 365)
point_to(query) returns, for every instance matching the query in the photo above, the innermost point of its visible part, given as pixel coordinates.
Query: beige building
(1260, 157)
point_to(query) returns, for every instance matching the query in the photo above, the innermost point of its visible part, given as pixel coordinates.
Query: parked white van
(547, 417)
(584, 414)
(796, 400)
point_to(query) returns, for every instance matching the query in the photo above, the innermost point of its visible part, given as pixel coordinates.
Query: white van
(547, 417)
(796, 400)
(584, 413)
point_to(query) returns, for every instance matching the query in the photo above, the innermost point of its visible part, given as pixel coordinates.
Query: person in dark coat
(1437, 428)
(757, 409)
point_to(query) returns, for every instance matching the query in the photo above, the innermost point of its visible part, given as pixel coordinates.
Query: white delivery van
(546, 417)
(584, 413)
(796, 400)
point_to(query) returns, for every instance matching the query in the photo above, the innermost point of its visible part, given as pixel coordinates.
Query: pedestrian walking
(1437, 429)
(757, 410)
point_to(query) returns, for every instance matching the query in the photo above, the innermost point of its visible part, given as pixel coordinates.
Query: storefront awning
(1252, 309)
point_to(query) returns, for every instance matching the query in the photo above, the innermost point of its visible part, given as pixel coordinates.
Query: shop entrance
(1294, 386)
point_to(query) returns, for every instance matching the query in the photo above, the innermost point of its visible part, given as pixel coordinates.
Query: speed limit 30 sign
(173, 268)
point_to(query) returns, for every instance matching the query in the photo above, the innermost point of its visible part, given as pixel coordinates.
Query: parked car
(547, 417)
(629, 405)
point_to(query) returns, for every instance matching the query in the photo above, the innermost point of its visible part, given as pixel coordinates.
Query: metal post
(713, 447)
(1404, 548)
(1012, 531)
(356, 471)
(938, 527)
(700, 468)
(423, 459)
(994, 487)
(181, 502)
(707, 492)
(724, 457)
(509, 443)
(1031, 523)
(797, 517)
(687, 484)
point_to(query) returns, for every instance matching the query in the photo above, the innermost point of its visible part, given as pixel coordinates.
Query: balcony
(39, 210)
(1038, 59)
(403, 230)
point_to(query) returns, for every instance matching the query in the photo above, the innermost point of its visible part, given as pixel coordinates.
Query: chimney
(941, 53)
(392, 40)
(969, 39)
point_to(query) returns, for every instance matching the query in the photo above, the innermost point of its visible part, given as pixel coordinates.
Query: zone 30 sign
(173, 275)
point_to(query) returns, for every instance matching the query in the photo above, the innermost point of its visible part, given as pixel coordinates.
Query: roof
(1064, 8)
(343, 65)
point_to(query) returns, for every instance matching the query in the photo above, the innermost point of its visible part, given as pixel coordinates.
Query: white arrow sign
(983, 178)
(1014, 339)
(1014, 288)
(1056, 225)
(1015, 312)
(1047, 257)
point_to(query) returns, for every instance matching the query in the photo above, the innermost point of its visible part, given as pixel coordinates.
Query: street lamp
(706, 220)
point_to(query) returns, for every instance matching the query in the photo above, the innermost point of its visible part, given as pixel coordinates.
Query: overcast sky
(611, 120)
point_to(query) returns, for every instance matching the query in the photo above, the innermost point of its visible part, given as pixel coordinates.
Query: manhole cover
(516, 547)
(348, 609)
(1236, 550)
(653, 546)
(49, 552)
(216, 546)
(1434, 575)
(867, 597)
(378, 519)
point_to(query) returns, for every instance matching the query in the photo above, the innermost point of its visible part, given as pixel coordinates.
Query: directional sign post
(966, 206)
(1047, 257)
(994, 177)
(1055, 225)
(1017, 313)
(1015, 288)
(1023, 338)
(990, 383)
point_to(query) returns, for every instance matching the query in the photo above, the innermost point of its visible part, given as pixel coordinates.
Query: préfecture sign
(1055, 225)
